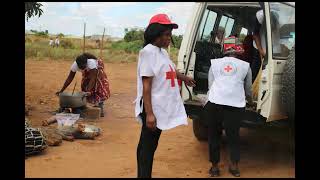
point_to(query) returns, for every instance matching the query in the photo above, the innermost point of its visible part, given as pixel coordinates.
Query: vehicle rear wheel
(200, 130)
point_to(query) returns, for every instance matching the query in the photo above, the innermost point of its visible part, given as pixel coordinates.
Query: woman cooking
(94, 80)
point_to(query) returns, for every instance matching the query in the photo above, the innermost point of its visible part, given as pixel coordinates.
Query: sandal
(234, 172)
(214, 172)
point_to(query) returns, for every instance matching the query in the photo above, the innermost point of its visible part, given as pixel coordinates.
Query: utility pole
(101, 46)
(84, 38)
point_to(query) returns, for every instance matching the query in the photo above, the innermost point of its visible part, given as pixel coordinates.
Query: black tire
(288, 86)
(200, 131)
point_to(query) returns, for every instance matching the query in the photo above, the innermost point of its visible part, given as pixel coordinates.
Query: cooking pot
(75, 100)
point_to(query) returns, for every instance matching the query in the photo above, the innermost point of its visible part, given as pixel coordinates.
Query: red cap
(162, 19)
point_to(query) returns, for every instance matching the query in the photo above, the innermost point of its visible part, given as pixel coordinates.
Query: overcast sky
(68, 17)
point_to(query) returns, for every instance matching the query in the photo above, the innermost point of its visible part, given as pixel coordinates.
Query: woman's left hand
(189, 81)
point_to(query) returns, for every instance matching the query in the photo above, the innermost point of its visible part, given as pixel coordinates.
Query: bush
(41, 33)
(30, 51)
(61, 35)
(129, 47)
(90, 44)
(67, 44)
(174, 54)
(133, 35)
(177, 41)
(37, 48)
(28, 40)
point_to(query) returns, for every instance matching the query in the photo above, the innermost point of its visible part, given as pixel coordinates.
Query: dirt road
(113, 154)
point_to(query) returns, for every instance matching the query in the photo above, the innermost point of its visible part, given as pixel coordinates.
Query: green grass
(38, 48)
(129, 47)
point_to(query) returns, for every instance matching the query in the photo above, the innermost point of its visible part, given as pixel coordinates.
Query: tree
(41, 33)
(61, 35)
(137, 34)
(133, 35)
(32, 9)
(177, 40)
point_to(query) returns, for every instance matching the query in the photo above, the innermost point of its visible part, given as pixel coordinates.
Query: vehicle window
(208, 22)
(223, 21)
(226, 23)
(243, 34)
(203, 22)
(205, 49)
(282, 18)
(229, 26)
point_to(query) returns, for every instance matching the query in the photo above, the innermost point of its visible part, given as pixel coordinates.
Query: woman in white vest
(229, 80)
(158, 105)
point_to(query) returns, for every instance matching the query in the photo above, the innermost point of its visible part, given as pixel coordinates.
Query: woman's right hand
(58, 93)
(262, 53)
(151, 122)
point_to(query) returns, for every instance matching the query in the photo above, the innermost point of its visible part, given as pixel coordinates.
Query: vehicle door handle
(263, 94)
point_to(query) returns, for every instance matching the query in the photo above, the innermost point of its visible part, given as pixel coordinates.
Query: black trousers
(229, 118)
(147, 146)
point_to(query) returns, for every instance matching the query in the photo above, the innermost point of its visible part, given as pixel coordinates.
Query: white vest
(228, 85)
(166, 101)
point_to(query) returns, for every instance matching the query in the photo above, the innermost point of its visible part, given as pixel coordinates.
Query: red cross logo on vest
(171, 75)
(228, 68)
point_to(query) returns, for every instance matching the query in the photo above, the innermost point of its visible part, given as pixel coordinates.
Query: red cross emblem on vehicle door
(171, 75)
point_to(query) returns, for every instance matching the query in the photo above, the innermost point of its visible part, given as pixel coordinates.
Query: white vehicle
(275, 98)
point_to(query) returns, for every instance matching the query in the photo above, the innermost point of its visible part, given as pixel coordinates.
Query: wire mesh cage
(35, 142)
